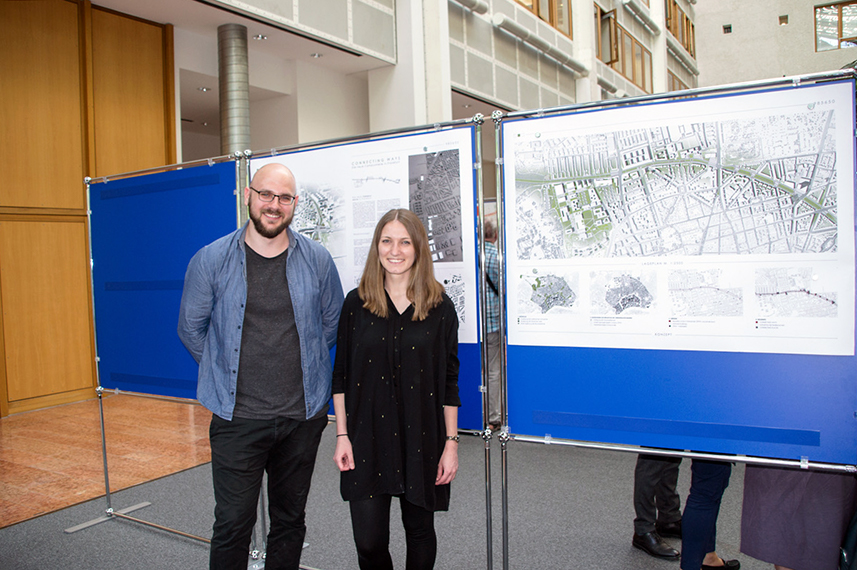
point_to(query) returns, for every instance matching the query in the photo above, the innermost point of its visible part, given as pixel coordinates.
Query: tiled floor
(52, 458)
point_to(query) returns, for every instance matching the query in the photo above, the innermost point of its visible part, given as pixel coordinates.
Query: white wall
(329, 104)
(196, 146)
(758, 47)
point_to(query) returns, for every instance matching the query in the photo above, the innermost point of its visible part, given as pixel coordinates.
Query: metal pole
(501, 287)
(100, 392)
(803, 464)
(483, 347)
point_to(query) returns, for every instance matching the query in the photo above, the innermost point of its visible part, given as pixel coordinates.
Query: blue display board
(144, 231)
(681, 275)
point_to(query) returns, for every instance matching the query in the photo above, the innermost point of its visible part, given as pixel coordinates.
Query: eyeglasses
(268, 196)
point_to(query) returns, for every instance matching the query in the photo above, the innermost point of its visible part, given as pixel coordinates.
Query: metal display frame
(109, 512)
(242, 160)
(505, 436)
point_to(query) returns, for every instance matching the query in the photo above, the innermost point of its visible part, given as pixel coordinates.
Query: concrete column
(234, 88)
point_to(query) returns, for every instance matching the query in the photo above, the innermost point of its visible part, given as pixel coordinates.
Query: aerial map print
(435, 196)
(715, 219)
(765, 186)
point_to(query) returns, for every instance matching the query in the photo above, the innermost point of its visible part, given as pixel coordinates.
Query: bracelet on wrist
(342, 435)
(454, 438)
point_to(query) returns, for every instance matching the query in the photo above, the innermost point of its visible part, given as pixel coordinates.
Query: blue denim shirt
(212, 314)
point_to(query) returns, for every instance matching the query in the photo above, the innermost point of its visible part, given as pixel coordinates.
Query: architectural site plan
(722, 223)
(343, 190)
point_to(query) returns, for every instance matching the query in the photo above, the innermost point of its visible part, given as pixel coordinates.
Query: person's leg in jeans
(420, 536)
(370, 523)
(290, 467)
(699, 524)
(239, 452)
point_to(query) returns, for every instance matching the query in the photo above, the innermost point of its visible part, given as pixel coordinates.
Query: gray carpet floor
(568, 508)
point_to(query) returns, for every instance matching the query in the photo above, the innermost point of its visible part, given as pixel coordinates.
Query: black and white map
(717, 200)
(435, 196)
(345, 189)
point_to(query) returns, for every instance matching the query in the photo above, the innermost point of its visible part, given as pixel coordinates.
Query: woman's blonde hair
(424, 291)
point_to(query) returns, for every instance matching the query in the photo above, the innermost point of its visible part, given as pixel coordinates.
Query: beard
(269, 232)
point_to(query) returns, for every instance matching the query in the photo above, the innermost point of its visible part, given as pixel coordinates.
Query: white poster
(345, 189)
(720, 224)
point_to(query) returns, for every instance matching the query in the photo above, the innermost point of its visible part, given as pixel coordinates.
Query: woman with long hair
(395, 395)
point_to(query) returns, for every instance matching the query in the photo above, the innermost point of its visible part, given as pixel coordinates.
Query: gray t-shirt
(270, 380)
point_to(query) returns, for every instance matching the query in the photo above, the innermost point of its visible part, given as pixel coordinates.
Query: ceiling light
(260, 37)
(316, 55)
(203, 89)
(466, 105)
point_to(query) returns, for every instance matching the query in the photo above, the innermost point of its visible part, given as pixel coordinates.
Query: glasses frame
(285, 199)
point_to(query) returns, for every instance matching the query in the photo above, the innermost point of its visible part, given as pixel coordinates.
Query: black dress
(396, 374)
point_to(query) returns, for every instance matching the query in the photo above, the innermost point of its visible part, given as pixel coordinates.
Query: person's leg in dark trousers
(655, 496)
(290, 466)
(667, 501)
(420, 536)
(709, 480)
(239, 452)
(370, 523)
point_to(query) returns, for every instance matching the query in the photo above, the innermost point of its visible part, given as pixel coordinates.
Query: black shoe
(652, 544)
(727, 565)
(669, 530)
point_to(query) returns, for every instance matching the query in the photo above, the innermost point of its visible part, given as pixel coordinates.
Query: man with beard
(259, 313)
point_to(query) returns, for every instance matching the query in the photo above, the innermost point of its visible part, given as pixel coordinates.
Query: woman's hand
(343, 456)
(448, 465)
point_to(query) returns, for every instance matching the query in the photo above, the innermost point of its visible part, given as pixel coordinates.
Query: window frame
(552, 15)
(674, 83)
(610, 17)
(681, 26)
(644, 82)
(850, 40)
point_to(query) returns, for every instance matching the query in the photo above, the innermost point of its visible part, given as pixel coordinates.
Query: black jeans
(370, 521)
(241, 451)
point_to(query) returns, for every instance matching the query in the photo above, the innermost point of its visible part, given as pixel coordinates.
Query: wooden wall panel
(129, 86)
(41, 127)
(45, 291)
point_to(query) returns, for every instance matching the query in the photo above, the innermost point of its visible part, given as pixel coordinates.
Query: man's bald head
(274, 174)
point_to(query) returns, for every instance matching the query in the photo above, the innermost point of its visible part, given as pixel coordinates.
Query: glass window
(545, 10)
(849, 23)
(605, 34)
(681, 27)
(557, 13)
(563, 16)
(836, 26)
(826, 28)
(634, 61)
(647, 71)
(638, 65)
(628, 52)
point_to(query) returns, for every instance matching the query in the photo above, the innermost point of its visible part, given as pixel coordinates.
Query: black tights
(370, 521)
